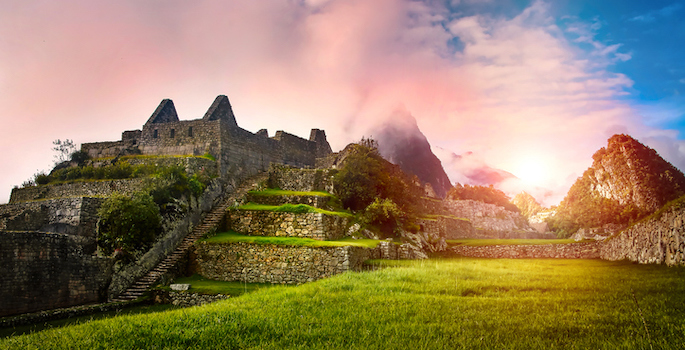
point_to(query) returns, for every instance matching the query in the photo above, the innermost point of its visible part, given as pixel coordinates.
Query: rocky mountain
(401, 142)
(627, 181)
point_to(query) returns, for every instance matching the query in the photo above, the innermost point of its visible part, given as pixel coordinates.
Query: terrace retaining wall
(269, 263)
(589, 250)
(655, 241)
(283, 224)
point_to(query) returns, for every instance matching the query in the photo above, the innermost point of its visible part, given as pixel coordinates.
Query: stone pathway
(210, 222)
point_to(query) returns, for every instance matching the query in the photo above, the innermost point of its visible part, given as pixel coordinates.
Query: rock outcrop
(627, 181)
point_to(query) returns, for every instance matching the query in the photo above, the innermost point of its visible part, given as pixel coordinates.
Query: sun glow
(532, 170)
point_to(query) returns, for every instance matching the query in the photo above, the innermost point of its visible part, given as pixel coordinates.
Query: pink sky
(520, 92)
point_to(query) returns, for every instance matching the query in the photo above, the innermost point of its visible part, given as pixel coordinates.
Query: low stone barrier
(186, 299)
(543, 251)
(282, 224)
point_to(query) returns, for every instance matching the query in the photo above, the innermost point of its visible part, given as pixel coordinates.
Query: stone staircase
(210, 222)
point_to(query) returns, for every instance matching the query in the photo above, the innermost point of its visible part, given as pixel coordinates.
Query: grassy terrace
(484, 242)
(292, 208)
(435, 304)
(277, 192)
(199, 284)
(233, 237)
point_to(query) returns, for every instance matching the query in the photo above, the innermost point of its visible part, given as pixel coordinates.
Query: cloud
(651, 16)
(516, 86)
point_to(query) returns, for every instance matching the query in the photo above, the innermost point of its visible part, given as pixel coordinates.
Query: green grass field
(432, 304)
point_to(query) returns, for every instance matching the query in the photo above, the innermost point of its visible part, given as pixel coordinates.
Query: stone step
(211, 220)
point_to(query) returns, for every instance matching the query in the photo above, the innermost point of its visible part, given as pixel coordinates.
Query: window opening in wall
(173, 132)
(190, 131)
(154, 134)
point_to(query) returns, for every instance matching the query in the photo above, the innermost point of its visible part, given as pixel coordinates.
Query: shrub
(42, 178)
(79, 157)
(128, 223)
(385, 215)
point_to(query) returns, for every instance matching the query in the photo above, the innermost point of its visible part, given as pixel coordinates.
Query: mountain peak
(402, 143)
(627, 181)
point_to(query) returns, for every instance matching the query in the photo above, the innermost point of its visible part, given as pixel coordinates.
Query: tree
(527, 204)
(482, 194)
(128, 223)
(64, 150)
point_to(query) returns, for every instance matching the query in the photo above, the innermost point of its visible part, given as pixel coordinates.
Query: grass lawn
(232, 237)
(432, 304)
(482, 242)
(136, 310)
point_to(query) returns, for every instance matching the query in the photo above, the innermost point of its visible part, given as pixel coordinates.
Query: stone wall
(282, 224)
(110, 148)
(102, 188)
(74, 216)
(655, 241)
(305, 180)
(255, 263)
(543, 251)
(489, 220)
(45, 271)
(448, 227)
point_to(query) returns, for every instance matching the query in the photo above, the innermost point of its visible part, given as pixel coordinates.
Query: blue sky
(652, 33)
(523, 86)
